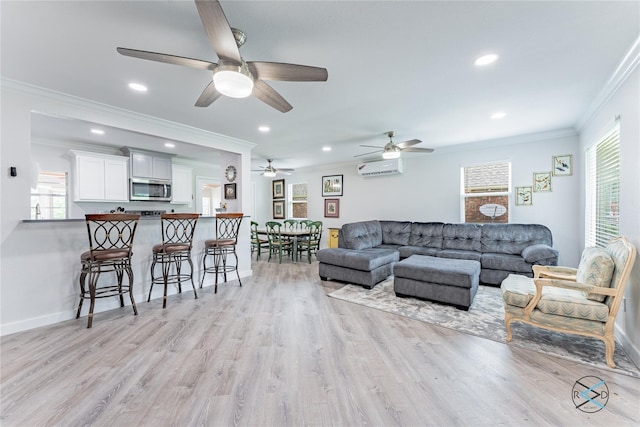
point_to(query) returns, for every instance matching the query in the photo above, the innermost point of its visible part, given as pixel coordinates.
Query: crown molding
(118, 113)
(627, 66)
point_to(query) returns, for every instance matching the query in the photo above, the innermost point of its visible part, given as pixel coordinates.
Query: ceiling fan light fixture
(392, 154)
(234, 81)
(269, 174)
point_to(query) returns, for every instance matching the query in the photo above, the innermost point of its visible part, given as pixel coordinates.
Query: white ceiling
(393, 65)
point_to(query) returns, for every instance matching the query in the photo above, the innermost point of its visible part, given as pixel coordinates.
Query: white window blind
(297, 201)
(602, 211)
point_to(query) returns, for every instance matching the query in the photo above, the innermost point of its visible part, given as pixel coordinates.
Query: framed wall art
(563, 165)
(542, 181)
(230, 191)
(277, 186)
(332, 185)
(332, 208)
(524, 196)
(278, 209)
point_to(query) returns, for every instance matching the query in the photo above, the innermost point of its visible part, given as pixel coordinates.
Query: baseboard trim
(632, 351)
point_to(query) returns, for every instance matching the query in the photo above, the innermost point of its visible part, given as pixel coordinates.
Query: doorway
(208, 195)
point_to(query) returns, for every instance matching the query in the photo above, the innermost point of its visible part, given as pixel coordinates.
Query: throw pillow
(535, 253)
(596, 268)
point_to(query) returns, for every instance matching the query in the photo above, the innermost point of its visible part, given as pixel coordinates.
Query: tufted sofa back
(426, 234)
(395, 232)
(360, 235)
(513, 238)
(463, 237)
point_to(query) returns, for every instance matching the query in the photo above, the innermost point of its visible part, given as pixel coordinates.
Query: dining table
(294, 235)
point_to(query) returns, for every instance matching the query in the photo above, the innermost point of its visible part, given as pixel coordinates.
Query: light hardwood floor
(279, 352)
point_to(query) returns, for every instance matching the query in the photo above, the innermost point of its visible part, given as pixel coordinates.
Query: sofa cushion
(365, 259)
(426, 234)
(505, 262)
(407, 251)
(463, 237)
(539, 253)
(360, 235)
(595, 268)
(454, 254)
(395, 232)
(513, 238)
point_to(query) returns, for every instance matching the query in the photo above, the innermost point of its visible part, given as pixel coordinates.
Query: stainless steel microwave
(150, 189)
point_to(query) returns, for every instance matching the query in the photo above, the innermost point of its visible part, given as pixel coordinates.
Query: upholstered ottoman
(447, 280)
(362, 267)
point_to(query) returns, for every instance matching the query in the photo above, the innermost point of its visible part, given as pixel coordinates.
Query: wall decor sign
(277, 187)
(332, 208)
(230, 191)
(562, 165)
(332, 185)
(278, 209)
(542, 181)
(524, 196)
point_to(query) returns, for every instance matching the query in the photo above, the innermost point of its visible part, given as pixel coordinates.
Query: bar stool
(110, 250)
(227, 228)
(177, 237)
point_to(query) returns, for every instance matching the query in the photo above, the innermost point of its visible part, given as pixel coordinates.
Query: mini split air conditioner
(382, 167)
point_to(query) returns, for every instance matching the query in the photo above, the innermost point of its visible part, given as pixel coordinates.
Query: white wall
(429, 188)
(39, 263)
(625, 102)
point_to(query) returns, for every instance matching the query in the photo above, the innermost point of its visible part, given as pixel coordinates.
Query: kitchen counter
(143, 218)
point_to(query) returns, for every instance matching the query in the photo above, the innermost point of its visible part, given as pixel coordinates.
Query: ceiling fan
(392, 150)
(270, 171)
(232, 76)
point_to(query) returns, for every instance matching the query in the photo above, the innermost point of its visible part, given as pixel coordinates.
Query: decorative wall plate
(230, 173)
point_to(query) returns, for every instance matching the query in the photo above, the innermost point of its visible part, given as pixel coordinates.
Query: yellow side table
(334, 233)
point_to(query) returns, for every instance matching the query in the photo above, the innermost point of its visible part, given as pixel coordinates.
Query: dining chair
(227, 227)
(110, 250)
(311, 243)
(276, 242)
(290, 224)
(177, 238)
(257, 243)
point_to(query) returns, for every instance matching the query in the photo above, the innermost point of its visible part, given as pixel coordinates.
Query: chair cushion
(211, 243)
(105, 254)
(519, 290)
(170, 248)
(595, 268)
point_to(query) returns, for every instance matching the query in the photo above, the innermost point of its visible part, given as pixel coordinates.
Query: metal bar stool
(227, 228)
(177, 238)
(110, 250)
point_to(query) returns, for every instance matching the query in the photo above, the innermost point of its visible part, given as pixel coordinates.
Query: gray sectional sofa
(368, 250)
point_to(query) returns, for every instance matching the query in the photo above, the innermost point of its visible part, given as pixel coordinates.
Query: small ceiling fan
(270, 171)
(232, 76)
(392, 150)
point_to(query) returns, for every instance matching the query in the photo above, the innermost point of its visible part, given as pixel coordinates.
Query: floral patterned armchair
(582, 301)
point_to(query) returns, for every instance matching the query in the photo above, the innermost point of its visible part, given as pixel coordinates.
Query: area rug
(485, 319)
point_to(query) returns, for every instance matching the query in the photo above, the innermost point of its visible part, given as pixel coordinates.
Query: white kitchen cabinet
(149, 165)
(100, 177)
(182, 185)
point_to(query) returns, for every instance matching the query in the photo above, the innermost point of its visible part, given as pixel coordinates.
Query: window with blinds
(485, 185)
(298, 200)
(602, 211)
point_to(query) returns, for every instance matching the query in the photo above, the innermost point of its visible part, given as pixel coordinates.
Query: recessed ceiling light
(138, 87)
(97, 131)
(169, 145)
(326, 148)
(485, 60)
(264, 128)
(498, 115)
